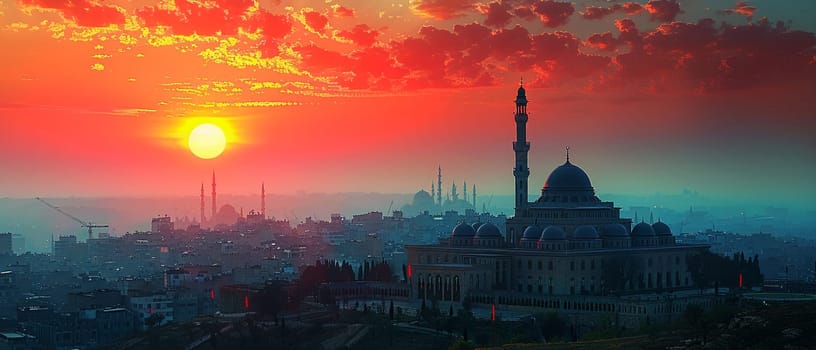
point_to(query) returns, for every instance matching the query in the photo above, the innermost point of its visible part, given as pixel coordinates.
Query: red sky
(97, 97)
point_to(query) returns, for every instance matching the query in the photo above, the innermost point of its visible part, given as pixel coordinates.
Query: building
(18, 244)
(5, 244)
(144, 305)
(567, 251)
(161, 224)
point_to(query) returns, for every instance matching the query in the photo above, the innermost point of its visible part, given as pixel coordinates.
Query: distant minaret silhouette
(433, 192)
(521, 147)
(202, 205)
(263, 200)
(464, 191)
(439, 186)
(213, 197)
(651, 218)
(453, 195)
(474, 196)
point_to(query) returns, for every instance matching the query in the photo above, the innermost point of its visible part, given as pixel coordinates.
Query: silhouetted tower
(464, 191)
(439, 186)
(521, 147)
(453, 195)
(433, 190)
(202, 204)
(263, 200)
(213, 197)
(474, 196)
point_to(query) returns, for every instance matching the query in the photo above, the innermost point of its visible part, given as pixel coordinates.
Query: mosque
(433, 202)
(567, 251)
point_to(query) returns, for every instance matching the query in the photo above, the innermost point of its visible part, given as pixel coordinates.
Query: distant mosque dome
(568, 177)
(226, 215)
(661, 229)
(463, 230)
(532, 233)
(488, 230)
(553, 233)
(643, 230)
(614, 230)
(585, 232)
(423, 199)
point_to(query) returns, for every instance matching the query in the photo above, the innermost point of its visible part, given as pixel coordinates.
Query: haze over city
(192, 172)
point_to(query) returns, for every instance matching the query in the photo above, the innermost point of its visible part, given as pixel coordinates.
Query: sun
(207, 141)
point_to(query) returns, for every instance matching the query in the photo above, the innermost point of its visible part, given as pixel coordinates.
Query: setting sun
(207, 141)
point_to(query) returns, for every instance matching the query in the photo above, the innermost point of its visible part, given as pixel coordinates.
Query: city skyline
(333, 96)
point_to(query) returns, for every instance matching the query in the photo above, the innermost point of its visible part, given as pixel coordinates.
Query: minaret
(433, 193)
(263, 200)
(474, 196)
(521, 147)
(453, 195)
(464, 191)
(202, 205)
(213, 197)
(439, 186)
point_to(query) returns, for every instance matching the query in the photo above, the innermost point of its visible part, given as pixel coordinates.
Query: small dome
(532, 232)
(643, 229)
(463, 230)
(614, 230)
(553, 233)
(661, 229)
(585, 232)
(568, 177)
(488, 230)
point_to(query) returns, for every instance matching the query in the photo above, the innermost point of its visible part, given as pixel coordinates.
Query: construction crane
(82, 223)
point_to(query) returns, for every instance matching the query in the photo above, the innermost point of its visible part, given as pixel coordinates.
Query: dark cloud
(497, 13)
(704, 56)
(316, 21)
(341, 11)
(663, 10)
(596, 12)
(741, 8)
(553, 13)
(225, 17)
(361, 35)
(442, 9)
(603, 41)
(83, 12)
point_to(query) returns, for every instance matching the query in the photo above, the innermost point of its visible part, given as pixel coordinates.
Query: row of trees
(713, 270)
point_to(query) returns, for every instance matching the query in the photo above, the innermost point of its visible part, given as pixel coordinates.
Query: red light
(493, 312)
(246, 302)
(212, 294)
(150, 310)
(740, 280)
(410, 271)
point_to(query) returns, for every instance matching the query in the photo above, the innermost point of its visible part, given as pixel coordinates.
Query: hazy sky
(98, 97)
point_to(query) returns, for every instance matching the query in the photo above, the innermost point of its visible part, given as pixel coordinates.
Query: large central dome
(568, 185)
(568, 177)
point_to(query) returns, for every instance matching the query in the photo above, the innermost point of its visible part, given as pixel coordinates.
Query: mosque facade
(567, 250)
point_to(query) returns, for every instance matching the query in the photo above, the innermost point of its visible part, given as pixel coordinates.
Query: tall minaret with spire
(263, 200)
(521, 147)
(464, 191)
(433, 190)
(213, 197)
(202, 205)
(439, 186)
